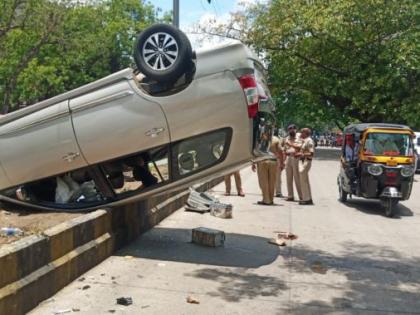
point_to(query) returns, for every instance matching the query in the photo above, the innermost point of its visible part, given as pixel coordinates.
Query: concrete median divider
(36, 267)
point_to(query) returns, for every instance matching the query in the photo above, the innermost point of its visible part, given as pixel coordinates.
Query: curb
(36, 267)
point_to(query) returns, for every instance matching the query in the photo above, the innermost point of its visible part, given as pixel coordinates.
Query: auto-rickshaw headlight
(375, 169)
(407, 171)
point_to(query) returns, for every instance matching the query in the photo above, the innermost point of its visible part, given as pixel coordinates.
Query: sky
(192, 12)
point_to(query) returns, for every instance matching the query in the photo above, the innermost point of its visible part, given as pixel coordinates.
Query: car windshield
(388, 144)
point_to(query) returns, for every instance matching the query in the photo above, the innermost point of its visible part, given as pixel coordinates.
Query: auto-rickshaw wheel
(390, 205)
(343, 194)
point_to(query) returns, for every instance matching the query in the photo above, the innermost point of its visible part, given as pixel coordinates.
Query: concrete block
(208, 237)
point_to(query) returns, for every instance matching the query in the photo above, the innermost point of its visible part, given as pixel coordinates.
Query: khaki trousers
(267, 173)
(304, 168)
(292, 173)
(238, 182)
(278, 181)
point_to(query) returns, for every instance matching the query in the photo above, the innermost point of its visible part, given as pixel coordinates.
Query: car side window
(138, 172)
(200, 152)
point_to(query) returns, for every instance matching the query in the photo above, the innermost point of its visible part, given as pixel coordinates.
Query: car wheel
(163, 53)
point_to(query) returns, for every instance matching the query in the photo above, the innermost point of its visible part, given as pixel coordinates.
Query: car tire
(163, 53)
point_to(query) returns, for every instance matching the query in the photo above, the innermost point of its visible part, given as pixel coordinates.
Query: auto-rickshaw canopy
(358, 129)
(379, 142)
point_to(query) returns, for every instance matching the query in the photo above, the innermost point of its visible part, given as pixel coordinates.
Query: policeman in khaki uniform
(267, 172)
(292, 144)
(280, 167)
(305, 161)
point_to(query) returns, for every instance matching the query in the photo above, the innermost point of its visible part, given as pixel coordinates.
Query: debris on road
(192, 300)
(128, 257)
(86, 287)
(281, 238)
(161, 264)
(197, 208)
(126, 301)
(286, 236)
(208, 237)
(59, 312)
(276, 241)
(221, 210)
(75, 309)
(82, 279)
(205, 202)
(197, 202)
(111, 311)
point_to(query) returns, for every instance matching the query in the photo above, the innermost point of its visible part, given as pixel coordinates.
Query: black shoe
(264, 203)
(306, 203)
(279, 195)
(290, 199)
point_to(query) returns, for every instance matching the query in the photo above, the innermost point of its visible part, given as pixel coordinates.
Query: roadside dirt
(30, 222)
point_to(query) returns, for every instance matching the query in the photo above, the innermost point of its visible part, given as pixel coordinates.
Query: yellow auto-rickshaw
(377, 162)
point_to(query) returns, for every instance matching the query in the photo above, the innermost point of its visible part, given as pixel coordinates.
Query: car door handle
(70, 157)
(154, 132)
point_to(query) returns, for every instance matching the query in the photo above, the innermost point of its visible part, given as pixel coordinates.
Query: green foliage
(299, 110)
(342, 60)
(49, 47)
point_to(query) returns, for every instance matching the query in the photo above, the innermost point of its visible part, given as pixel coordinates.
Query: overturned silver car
(181, 117)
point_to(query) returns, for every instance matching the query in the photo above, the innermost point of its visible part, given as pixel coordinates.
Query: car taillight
(249, 85)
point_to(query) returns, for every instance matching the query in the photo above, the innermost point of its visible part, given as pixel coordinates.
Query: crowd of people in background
(328, 139)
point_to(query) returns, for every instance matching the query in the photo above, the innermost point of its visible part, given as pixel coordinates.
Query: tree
(49, 47)
(346, 60)
(361, 58)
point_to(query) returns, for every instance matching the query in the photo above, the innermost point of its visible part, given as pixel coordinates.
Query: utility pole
(176, 13)
(175, 21)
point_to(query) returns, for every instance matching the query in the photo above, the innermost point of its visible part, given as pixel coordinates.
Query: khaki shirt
(308, 146)
(287, 148)
(275, 146)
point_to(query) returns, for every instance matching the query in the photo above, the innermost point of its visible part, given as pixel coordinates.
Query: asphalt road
(348, 259)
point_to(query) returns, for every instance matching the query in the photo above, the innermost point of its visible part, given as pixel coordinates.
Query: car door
(39, 145)
(115, 121)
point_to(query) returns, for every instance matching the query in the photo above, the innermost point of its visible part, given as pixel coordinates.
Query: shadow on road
(374, 207)
(235, 285)
(240, 250)
(378, 278)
